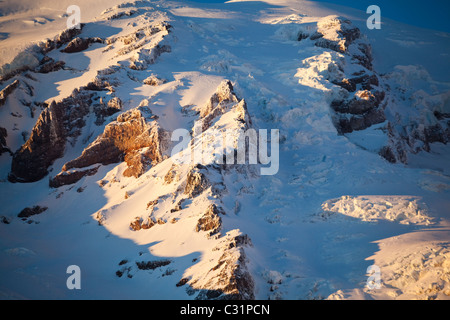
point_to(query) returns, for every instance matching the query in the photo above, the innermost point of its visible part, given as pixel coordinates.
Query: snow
(401, 209)
(334, 207)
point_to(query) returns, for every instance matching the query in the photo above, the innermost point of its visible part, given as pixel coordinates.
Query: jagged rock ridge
(131, 138)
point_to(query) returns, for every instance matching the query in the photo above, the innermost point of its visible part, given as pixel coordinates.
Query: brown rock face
(171, 175)
(129, 133)
(3, 146)
(130, 138)
(222, 101)
(48, 138)
(43, 48)
(138, 162)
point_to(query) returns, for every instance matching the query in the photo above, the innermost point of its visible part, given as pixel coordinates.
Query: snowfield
(86, 123)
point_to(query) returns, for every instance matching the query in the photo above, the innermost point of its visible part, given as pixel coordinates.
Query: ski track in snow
(332, 210)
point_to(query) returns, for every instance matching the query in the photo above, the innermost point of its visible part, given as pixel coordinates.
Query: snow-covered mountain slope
(354, 173)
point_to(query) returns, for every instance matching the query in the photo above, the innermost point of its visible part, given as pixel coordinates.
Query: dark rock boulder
(49, 65)
(28, 212)
(70, 177)
(152, 265)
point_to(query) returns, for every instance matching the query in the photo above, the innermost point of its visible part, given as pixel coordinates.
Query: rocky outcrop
(135, 37)
(64, 37)
(152, 265)
(103, 110)
(58, 123)
(211, 221)
(3, 146)
(360, 80)
(361, 103)
(105, 80)
(136, 41)
(148, 56)
(172, 175)
(223, 95)
(129, 132)
(154, 81)
(200, 178)
(335, 33)
(79, 44)
(196, 181)
(47, 140)
(119, 15)
(229, 279)
(28, 212)
(339, 34)
(70, 177)
(131, 138)
(363, 100)
(139, 223)
(413, 138)
(48, 64)
(222, 101)
(7, 91)
(138, 162)
(361, 111)
(37, 54)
